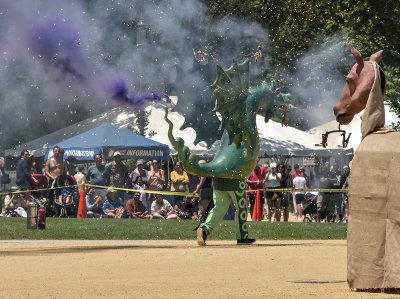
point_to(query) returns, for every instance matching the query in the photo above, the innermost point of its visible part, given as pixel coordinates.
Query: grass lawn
(138, 229)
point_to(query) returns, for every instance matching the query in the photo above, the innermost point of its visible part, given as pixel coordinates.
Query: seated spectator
(76, 195)
(66, 193)
(113, 207)
(135, 207)
(187, 209)
(13, 202)
(195, 208)
(162, 209)
(139, 185)
(93, 204)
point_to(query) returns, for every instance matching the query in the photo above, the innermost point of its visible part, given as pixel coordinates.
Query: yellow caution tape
(148, 191)
(188, 194)
(301, 190)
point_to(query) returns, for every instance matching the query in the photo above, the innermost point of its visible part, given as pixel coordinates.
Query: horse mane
(373, 118)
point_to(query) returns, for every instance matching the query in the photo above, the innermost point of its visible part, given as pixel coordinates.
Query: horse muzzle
(344, 118)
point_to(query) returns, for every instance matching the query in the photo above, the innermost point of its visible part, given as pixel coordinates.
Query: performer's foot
(201, 236)
(246, 241)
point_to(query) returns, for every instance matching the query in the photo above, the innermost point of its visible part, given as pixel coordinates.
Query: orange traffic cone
(257, 209)
(82, 212)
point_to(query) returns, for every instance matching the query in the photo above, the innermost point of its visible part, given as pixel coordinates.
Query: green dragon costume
(238, 152)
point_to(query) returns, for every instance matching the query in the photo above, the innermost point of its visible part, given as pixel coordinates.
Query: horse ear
(357, 55)
(376, 56)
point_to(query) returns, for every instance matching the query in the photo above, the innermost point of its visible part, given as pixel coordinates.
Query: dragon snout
(268, 115)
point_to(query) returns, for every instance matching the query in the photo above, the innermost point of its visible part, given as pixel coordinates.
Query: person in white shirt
(273, 181)
(80, 176)
(299, 182)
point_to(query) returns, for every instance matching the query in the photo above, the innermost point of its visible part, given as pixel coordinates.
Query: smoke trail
(119, 92)
(62, 61)
(318, 80)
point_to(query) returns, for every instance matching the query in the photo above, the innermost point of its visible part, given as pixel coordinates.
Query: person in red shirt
(135, 208)
(294, 173)
(254, 182)
(38, 183)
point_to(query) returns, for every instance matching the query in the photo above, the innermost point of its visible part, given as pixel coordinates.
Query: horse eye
(347, 81)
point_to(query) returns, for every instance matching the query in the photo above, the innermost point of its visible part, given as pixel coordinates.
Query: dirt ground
(175, 269)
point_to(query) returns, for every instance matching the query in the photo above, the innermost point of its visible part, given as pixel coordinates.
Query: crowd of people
(108, 194)
(330, 206)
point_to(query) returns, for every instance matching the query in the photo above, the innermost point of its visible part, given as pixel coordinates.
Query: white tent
(354, 128)
(273, 137)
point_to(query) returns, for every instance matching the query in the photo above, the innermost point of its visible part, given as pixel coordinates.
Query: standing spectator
(326, 200)
(255, 182)
(118, 173)
(40, 194)
(155, 168)
(204, 187)
(98, 175)
(155, 179)
(23, 172)
(162, 209)
(4, 176)
(179, 182)
(55, 167)
(1, 172)
(80, 176)
(113, 206)
(139, 171)
(344, 184)
(71, 161)
(299, 182)
(135, 207)
(294, 174)
(273, 181)
(266, 166)
(286, 182)
(93, 204)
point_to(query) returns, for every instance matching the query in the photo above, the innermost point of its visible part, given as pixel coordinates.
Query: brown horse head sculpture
(359, 82)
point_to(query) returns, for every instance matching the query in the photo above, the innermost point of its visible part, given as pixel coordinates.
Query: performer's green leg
(222, 199)
(240, 202)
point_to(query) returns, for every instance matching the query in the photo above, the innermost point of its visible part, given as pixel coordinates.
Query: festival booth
(107, 139)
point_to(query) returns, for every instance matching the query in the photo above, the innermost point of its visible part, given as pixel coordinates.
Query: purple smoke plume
(119, 92)
(56, 44)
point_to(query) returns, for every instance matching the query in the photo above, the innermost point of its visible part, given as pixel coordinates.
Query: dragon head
(270, 103)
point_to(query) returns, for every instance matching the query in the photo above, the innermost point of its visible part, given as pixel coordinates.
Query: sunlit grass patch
(143, 229)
